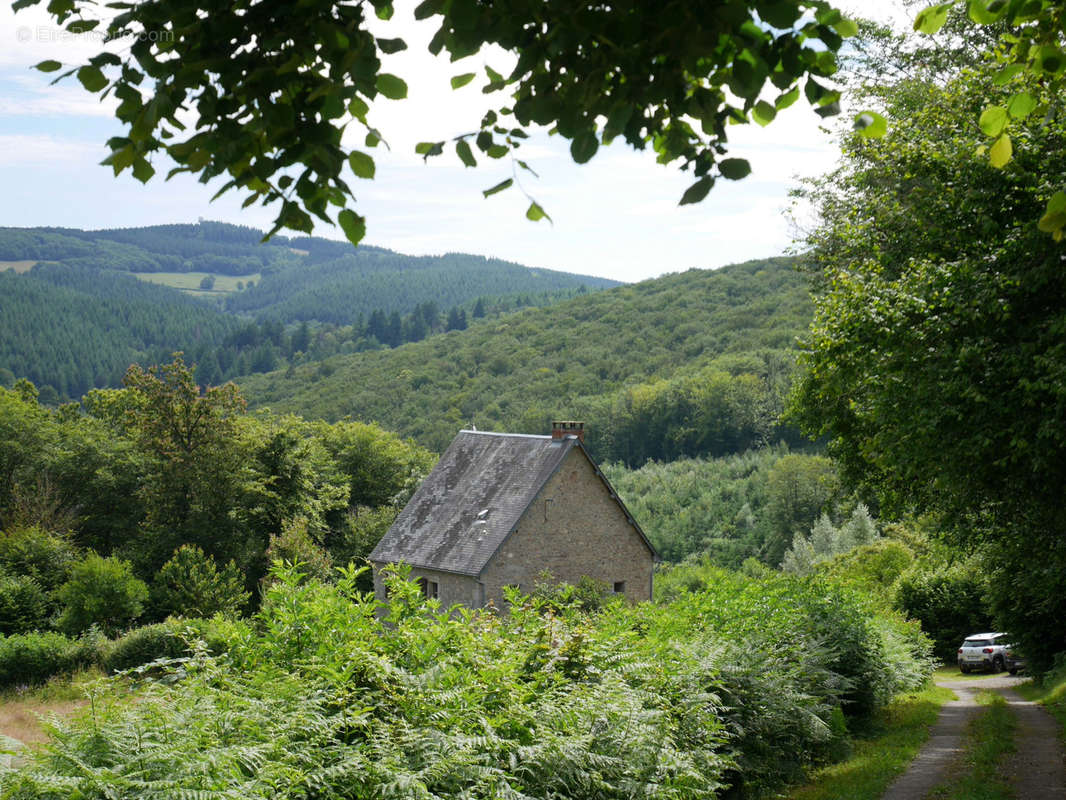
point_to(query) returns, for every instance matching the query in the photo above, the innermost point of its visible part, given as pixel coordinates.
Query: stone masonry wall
(572, 529)
(451, 588)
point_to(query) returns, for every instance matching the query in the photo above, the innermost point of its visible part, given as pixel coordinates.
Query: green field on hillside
(190, 282)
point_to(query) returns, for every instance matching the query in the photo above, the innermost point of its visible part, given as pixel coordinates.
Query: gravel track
(1037, 771)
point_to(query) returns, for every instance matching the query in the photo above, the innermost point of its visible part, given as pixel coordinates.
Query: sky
(615, 217)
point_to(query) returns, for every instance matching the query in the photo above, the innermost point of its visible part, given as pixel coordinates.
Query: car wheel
(964, 670)
(997, 664)
(1013, 671)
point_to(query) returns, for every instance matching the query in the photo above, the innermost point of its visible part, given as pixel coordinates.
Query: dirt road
(1037, 770)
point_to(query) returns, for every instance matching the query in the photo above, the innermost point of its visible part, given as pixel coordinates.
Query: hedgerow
(732, 688)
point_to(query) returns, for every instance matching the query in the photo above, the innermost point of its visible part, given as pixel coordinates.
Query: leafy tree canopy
(935, 361)
(271, 87)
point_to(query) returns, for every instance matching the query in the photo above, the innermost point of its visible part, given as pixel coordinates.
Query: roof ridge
(515, 435)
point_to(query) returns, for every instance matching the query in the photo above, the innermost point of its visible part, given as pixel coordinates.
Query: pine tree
(859, 530)
(825, 539)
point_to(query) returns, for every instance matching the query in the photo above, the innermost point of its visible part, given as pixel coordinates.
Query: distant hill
(72, 328)
(294, 279)
(340, 289)
(79, 306)
(687, 364)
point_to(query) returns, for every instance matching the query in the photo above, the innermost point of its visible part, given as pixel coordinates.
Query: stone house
(499, 509)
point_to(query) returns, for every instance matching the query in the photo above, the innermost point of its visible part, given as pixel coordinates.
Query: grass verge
(21, 712)
(991, 739)
(1050, 693)
(881, 752)
(953, 674)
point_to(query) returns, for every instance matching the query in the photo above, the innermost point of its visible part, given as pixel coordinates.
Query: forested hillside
(687, 364)
(71, 329)
(342, 289)
(75, 318)
(730, 509)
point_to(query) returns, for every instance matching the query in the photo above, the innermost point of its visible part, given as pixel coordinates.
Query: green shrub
(295, 545)
(169, 639)
(190, 584)
(34, 658)
(103, 592)
(588, 594)
(950, 602)
(46, 557)
(23, 605)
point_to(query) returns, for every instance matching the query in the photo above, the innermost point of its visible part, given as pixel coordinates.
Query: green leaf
(870, 125)
(788, 98)
(92, 79)
(60, 8)
(499, 187)
(427, 149)
(999, 154)
(1021, 105)
(392, 45)
(697, 191)
(353, 225)
(462, 149)
(535, 212)
(142, 170)
(828, 110)
(846, 27)
(584, 146)
(993, 120)
(1049, 59)
(982, 12)
(462, 80)
(391, 86)
(1054, 218)
(932, 19)
(82, 25)
(47, 66)
(1007, 73)
(734, 168)
(358, 109)
(362, 165)
(763, 113)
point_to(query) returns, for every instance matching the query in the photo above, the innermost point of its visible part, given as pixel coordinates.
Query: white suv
(984, 651)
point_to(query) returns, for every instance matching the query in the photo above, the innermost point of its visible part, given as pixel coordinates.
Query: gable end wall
(573, 528)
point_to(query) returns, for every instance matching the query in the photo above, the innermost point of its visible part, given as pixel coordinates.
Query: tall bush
(191, 584)
(950, 602)
(34, 658)
(23, 604)
(101, 591)
(37, 553)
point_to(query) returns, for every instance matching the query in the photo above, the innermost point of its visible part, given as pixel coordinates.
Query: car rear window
(977, 643)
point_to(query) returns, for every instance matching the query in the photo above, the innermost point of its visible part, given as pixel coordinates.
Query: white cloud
(616, 216)
(20, 150)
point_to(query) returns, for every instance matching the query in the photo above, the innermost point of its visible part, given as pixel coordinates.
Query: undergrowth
(724, 692)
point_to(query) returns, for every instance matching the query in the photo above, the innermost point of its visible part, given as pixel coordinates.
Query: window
(619, 587)
(429, 588)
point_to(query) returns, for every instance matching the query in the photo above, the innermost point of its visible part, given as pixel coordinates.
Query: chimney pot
(560, 430)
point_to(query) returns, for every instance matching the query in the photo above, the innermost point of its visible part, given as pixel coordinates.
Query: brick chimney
(560, 430)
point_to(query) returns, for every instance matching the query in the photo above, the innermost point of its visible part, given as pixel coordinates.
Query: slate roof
(472, 500)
